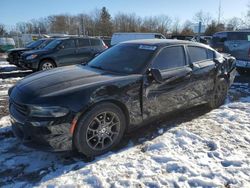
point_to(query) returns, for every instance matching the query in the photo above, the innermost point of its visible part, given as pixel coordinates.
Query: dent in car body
(78, 88)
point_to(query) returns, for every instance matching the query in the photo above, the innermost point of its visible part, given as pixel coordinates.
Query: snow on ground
(7, 69)
(211, 149)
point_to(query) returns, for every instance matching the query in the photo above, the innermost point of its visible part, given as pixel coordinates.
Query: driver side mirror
(156, 75)
(60, 47)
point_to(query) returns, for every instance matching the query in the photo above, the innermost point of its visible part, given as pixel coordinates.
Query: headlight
(52, 111)
(31, 56)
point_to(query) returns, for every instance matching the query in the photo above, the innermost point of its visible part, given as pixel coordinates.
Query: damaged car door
(171, 92)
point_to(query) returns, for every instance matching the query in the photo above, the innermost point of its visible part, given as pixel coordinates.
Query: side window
(83, 42)
(170, 57)
(197, 53)
(210, 54)
(220, 38)
(68, 44)
(95, 42)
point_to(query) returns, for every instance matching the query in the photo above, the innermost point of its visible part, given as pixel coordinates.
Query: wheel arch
(118, 103)
(80, 114)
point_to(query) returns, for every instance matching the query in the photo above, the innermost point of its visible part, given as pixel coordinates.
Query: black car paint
(140, 97)
(61, 57)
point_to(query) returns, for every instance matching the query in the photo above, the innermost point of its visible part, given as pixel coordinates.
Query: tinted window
(35, 44)
(95, 42)
(170, 57)
(53, 44)
(45, 43)
(159, 37)
(219, 37)
(83, 42)
(124, 58)
(197, 53)
(239, 36)
(210, 54)
(68, 44)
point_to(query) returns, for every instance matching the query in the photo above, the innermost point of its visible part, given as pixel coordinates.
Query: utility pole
(199, 32)
(219, 13)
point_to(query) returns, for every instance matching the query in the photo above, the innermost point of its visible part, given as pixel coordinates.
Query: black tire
(94, 130)
(46, 65)
(219, 94)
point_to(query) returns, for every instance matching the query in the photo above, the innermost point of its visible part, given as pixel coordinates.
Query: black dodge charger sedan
(88, 108)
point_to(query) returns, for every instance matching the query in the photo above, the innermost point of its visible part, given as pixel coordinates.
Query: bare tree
(164, 24)
(203, 17)
(234, 23)
(187, 28)
(2, 30)
(59, 23)
(176, 26)
(126, 23)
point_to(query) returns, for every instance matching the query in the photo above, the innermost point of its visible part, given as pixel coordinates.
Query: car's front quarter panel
(125, 92)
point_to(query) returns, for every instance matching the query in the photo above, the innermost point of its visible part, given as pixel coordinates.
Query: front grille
(14, 57)
(23, 109)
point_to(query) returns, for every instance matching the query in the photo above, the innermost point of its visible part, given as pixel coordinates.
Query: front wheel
(219, 94)
(46, 65)
(100, 129)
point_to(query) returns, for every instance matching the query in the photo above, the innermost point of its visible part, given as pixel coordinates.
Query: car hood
(60, 80)
(18, 49)
(38, 51)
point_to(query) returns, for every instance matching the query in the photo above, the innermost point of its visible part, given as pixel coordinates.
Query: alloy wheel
(103, 130)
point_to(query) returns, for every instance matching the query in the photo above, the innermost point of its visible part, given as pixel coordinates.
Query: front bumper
(54, 136)
(29, 64)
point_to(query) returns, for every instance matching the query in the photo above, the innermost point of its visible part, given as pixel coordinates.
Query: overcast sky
(13, 11)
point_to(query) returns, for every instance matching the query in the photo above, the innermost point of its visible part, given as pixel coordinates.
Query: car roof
(240, 31)
(164, 42)
(65, 38)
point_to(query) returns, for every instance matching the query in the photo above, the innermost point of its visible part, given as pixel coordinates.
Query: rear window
(197, 54)
(95, 42)
(239, 36)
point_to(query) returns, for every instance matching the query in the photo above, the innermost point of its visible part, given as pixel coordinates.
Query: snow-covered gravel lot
(196, 148)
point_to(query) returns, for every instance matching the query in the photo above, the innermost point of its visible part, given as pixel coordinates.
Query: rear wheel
(46, 65)
(219, 94)
(100, 129)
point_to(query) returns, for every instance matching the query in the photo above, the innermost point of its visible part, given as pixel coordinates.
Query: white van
(121, 37)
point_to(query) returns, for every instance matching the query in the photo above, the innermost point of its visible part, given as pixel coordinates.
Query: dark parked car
(14, 54)
(237, 44)
(62, 52)
(90, 107)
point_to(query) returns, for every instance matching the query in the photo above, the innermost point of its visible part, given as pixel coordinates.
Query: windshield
(124, 58)
(53, 44)
(34, 44)
(45, 43)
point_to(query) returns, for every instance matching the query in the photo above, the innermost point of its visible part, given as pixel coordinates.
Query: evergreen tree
(105, 25)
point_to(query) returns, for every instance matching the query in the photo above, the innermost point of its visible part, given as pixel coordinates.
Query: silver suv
(236, 43)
